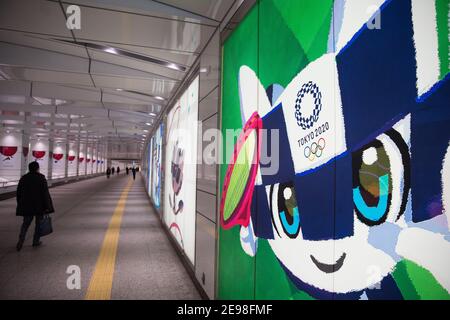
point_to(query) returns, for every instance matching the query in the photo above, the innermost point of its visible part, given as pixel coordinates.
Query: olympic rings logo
(315, 150)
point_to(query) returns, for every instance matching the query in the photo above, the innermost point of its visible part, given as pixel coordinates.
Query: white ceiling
(64, 83)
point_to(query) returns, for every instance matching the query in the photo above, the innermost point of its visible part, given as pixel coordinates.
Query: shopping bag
(45, 226)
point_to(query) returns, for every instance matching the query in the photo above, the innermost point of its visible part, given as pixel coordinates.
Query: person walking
(127, 170)
(118, 169)
(108, 172)
(33, 201)
(133, 170)
(112, 171)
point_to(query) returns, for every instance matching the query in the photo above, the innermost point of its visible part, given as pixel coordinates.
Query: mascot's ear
(249, 242)
(241, 174)
(253, 96)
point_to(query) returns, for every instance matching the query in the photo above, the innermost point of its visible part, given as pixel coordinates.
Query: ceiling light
(129, 54)
(111, 50)
(173, 66)
(145, 130)
(159, 98)
(118, 89)
(148, 123)
(152, 114)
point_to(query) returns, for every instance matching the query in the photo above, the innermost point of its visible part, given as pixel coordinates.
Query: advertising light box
(181, 170)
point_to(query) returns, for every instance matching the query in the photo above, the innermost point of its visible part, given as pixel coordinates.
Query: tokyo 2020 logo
(307, 121)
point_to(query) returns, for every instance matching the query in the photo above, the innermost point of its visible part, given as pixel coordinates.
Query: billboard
(155, 166)
(148, 166)
(180, 169)
(350, 113)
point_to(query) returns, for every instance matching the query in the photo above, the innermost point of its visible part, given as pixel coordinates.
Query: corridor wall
(337, 186)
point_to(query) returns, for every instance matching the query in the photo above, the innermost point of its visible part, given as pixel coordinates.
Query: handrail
(4, 182)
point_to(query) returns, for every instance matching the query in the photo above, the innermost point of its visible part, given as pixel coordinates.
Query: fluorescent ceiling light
(152, 114)
(111, 50)
(173, 66)
(148, 123)
(159, 98)
(129, 54)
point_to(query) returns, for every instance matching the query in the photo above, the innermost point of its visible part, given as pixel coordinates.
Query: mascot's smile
(329, 268)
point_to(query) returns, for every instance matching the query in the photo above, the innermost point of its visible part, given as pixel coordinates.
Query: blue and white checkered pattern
(312, 89)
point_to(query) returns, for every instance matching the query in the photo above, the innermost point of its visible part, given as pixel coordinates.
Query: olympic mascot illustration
(176, 171)
(364, 159)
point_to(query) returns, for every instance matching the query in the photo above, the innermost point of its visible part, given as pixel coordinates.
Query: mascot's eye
(381, 178)
(287, 209)
(372, 185)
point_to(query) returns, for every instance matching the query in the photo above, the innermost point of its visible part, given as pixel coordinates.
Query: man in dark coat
(134, 173)
(108, 172)
(33, 200)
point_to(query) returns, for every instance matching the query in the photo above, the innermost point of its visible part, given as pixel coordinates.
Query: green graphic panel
(417, 283)
(443, 18)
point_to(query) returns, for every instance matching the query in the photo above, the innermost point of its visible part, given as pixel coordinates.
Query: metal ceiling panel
(136, 108)
(146, 8)
(213, 9)
(134, 98)
(42, 42)
(162, 88)
(134, 67)
(19, 73)
(130, 29)
(12, 87)
(85, 104)
(17, 55)
(122, 101)
(42, 89)
(35, 16)
(179, 57)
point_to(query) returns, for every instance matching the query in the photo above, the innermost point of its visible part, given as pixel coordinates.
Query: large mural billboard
(338, 186)
(155, 166)
(181, 169)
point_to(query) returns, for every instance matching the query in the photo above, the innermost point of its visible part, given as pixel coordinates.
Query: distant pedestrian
(118, 169)
(134, 173)
(33, 201)
(112, 170)
(108, 172)
(127, 170)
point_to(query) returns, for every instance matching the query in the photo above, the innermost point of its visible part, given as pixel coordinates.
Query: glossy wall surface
(180, 170)
(347, 195)
(155, 165)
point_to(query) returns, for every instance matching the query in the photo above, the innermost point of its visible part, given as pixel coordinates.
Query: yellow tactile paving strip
(102, 278)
